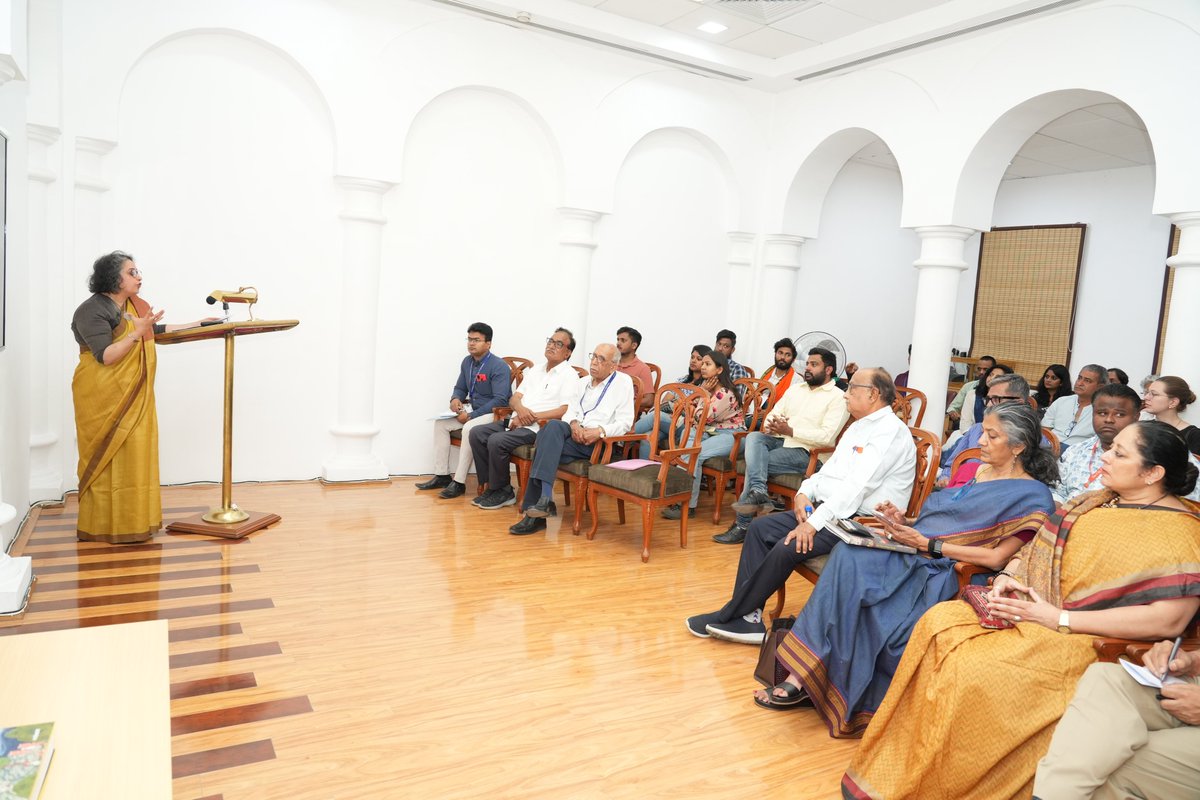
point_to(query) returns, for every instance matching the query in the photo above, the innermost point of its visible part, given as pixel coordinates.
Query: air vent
(764, 12)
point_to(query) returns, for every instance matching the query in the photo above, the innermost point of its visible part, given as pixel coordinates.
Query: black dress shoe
(528, 525)
(675, 511)
(734, 535)
(755, 501)
(543, 508)
(436, 482)
(452, 490)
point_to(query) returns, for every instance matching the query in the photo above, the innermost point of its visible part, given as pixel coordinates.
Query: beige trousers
(1115, 741)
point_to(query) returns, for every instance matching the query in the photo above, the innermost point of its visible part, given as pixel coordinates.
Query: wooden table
(106, 689)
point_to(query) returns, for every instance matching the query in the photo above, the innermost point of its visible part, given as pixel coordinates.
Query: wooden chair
(580, 371)
(1111, 649)
(522, 457)
(517, 367)
(655, 373)
(722, 469)
(970, 454)
(788, 483)
(905, 400)
(929, 455)
(670, 481)
(1055, 445)
(749, 372)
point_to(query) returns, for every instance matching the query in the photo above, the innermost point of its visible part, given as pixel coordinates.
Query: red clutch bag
(976, 598)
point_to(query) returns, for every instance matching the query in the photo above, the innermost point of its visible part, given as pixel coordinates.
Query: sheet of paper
(443, 415)
(1145, 677)
(634, 463)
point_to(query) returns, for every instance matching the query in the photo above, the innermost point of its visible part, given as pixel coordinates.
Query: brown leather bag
(769, 671)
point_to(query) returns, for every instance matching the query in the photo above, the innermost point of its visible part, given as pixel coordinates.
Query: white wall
(19, 324)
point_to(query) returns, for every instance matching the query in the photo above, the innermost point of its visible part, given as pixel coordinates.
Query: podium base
(196, 524)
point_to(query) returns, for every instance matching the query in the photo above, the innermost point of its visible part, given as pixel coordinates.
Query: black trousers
(766, 562)
(492, 446)
(554, 446)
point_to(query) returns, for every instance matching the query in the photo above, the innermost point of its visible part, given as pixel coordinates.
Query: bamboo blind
(1025, 296)
(1168, 287)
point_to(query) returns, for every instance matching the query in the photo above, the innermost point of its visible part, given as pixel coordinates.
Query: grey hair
(1015, 382)
(881, 380)
(1146, 381)
(1023, 427)
(1101, 372)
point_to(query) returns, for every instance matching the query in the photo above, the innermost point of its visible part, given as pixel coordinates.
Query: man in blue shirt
(484, 383)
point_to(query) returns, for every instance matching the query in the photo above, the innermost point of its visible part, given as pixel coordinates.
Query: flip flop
(793, 697)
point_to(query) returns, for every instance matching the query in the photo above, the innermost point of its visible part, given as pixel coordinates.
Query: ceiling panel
(823, 23)
(885, 10)
(690, 23)
(655, 12)
(770, 43)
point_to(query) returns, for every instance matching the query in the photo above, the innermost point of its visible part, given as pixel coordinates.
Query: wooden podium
(228, 521)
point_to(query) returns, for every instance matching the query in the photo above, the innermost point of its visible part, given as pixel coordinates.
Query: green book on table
(25, 752)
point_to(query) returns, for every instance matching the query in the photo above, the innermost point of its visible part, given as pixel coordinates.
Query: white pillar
(576, 244)
(362, 235)
(1181, 348)
(45, 473)
(938, 269)
(739, 305)
(779, 292)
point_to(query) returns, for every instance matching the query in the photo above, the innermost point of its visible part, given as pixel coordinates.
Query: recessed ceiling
(1105, 136)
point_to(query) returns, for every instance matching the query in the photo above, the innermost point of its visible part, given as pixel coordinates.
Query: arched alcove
(473, 225)
(662, 263)
(246, 200)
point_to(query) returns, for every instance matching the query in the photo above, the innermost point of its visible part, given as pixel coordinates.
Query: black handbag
(769, 671)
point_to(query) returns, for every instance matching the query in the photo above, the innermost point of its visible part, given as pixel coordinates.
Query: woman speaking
(115, 421)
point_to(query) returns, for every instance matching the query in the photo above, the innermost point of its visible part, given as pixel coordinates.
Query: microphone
(245, 294)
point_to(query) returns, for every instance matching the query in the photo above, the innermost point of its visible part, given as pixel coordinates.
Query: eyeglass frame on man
(997, 399)
(556, 343)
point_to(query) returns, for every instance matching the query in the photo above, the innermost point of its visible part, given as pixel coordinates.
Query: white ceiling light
(712, 27)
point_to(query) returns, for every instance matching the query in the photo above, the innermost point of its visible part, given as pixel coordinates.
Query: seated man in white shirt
(602, 406)
(1070, 417)
(545, 391)
(875, 461)
(810, 415)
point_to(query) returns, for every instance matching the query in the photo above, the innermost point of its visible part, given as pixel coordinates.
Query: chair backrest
(1054, 443)
(580, 371)
(749, 371)
(929, 455)
(970, 454)
(517, 366)
(656, 374)
(685, 425)
(756, 400)
(906, 399)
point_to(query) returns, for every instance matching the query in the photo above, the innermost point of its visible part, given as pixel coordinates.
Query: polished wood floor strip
(239, 715)
(204, 632)
(133, 597)
(225, 654)
(221, 683)
(222, 758)
(146, 577)
(426, 653)
(73, 547)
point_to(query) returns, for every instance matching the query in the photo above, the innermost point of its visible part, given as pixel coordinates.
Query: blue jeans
(711, 445)
(645, 424)
(766, 456)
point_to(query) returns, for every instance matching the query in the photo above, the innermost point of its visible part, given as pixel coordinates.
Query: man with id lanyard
(602, 406)
(874, 461)
(484, 382)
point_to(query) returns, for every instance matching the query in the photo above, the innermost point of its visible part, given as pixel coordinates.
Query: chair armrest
(610, 441)
(813, 459)
(667, 456)
(501, 413)
(964, 572)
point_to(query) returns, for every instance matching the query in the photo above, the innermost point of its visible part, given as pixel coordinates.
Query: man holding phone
(1117, 739)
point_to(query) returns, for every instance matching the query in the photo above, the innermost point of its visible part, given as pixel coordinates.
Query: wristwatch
(1064, 621)
(935, 548)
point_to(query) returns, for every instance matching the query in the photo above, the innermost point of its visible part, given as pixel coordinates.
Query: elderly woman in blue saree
(847, 641)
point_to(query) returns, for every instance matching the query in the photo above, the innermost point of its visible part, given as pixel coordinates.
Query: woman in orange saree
(115, 421)
(971, 710)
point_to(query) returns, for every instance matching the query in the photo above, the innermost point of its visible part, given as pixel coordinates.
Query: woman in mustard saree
(115, 421)
(971, 710)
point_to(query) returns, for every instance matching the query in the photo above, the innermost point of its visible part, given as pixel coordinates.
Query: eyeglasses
(135, 273)
(596, 357)
(1149, 393)
(859, 386)
(557, 345)
(475, 340)
(997, 399)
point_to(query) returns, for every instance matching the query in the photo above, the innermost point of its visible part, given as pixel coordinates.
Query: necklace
(1116, 502)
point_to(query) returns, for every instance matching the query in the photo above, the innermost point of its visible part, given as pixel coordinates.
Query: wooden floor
(381, 643)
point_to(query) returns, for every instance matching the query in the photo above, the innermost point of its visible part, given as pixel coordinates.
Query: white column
(45, 473)
(778, 295)
(1181, 348)
(362, 235)
(938, 270)
(739, 316)
(576, 244)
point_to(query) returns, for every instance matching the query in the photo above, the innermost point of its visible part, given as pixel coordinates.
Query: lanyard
(1091, 463)
(475, 377)
(599, 400)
